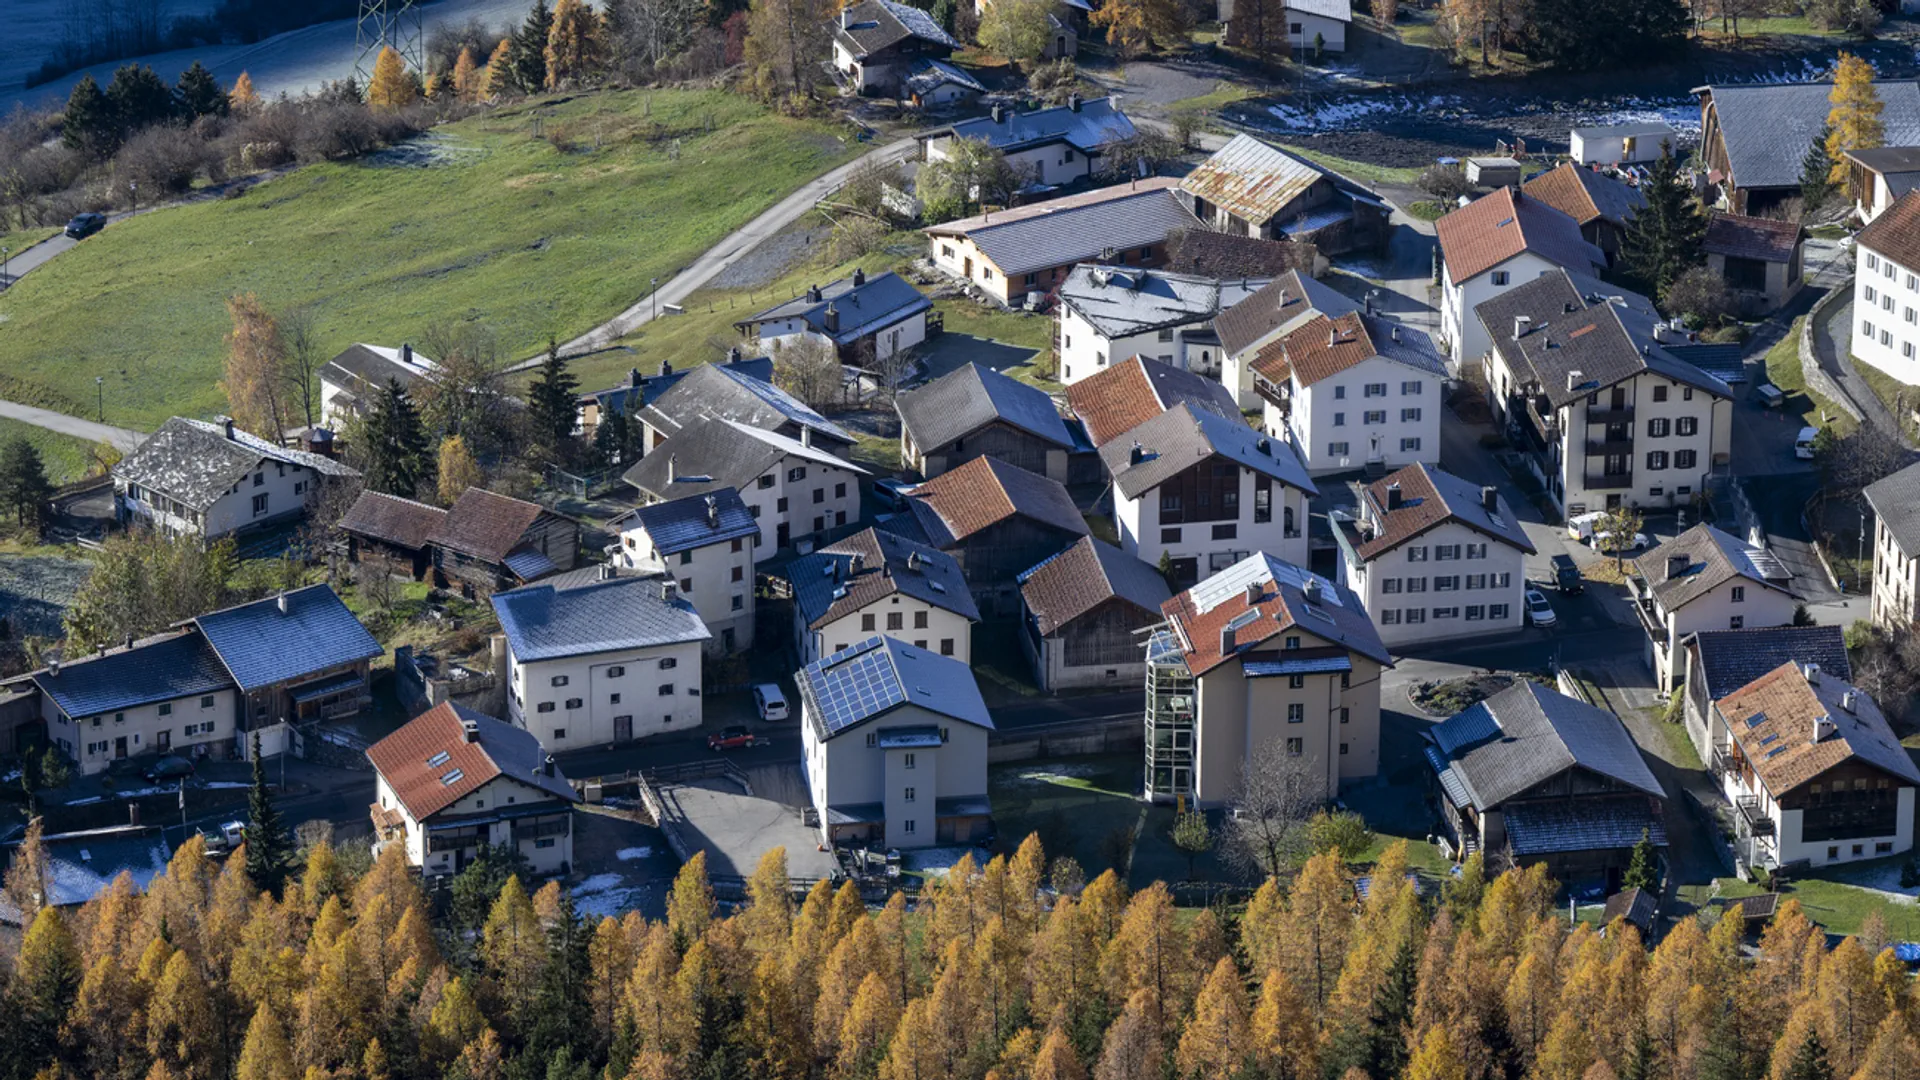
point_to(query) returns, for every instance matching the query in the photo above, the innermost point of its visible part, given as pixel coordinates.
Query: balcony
(1609, 414)
(1276, 395)
(1609, 481)
(1758, 823)
(1602, 447)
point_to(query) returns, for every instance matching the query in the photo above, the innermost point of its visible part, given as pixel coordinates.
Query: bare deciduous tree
(1278, 793)
(807, 367)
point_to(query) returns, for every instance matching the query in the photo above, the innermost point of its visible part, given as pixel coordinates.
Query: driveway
(1833, 345)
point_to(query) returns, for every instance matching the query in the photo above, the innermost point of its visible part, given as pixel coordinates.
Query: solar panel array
(854, 684)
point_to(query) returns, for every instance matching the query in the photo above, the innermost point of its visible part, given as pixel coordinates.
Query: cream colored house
(1352, 392)
(1704, 579)
(168, 694)
(1896, 548)
(1493, 244)
(610, 661)
(704, 544)
(209, 480)
(1263, 657)
(451, 781)
(878, 582)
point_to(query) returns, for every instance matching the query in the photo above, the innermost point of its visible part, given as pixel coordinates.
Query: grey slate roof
(695, 521)
(260, 645)
(864, 305)
(1122, 300)
(929, 75)
(1526, 734)
(195, 462)
(1067, 585)
(176, 666)
(878, 675)
(715, 454)
(1713, 558)
(1592, 824)
(1088, 129)
(1616, 130)
(1896, 502)
(1023, 243)
(1340, 10)
(873, 25)
(361, 369)
(827, 587)
(724, 392)
(1767, 129)
(1730, 659)
(1282, 304)
(971, 397)
(545, 623)
(1183, 437)
(648, 388)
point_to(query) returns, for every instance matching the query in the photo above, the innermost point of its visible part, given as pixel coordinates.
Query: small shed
(1758, 258)
(1494, 172)
(1636, 905)
(1619, 144)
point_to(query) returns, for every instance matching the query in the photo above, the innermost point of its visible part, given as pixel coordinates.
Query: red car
(735, 738)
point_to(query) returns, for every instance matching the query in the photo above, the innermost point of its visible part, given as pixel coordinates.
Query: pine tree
(396, 447)
(576, 44)
(269, 845)
(1640, 869)
(139, 99)
(243, 98)
(1854, 122)
(88, 122)
(1816, 171)
(550, 408)
(1809, 1061)
(1663, 239)
(527, 51)
(392, 86)
(198, 93)
(561, 1010)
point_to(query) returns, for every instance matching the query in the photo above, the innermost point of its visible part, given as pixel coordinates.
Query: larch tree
(576, 46)
(1133, 1048)
(1853, 1002)
(1436, 1059)
(1065, 963)
(1056, 1059)
(180, 1020)
(1854, 120)
(392, 87)
(1315, 931)
(690, 904)
(457, 470)
(264, 1054)
(1894, 1055)
(1282, 1037)
(512, 951)
(243, 98)
(1567, 1051)
(46, 980)
(911, 1053)
(1140, 26)
(863, 1035)
(256, 359)
(467, 74)
(497, 77)
(1149, 953)
(767, 919)
(1215, 1042)
(29, 881)
(786, 39)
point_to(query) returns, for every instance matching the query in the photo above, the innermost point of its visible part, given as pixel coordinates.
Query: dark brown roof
(485, 525)
(1086, 575)
(1896, 232)
(1430, 498)
(1585, 195)
(1112, 402)
(1496, 227)
(1743, 237)
(392, 519)
(987, 491)
(426, 783)
(1224, 255)
(1202, 612)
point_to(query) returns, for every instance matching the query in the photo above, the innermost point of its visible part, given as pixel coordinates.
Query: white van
(1803, 443)
(769, 702)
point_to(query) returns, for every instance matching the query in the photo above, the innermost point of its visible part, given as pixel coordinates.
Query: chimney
(999, 113)
(846, 18)
(226, 422)
(406, 353)
(470, 731)
(633, 377)
(1333, 336)
(1226, 640)
(1255, 590)
(1366, 304)
(813, 294)
(1677, 565)
(1573, 379)
(673, 468)
(1311, 590)
(1264, 445)
(546, 766)
(913, 561)
(1812, 673)
(806, 435)
(283, 605)
(1073, 102)
(607, 572)
(854, 564)
(733, 355)
(133, 814)
(1136, 455)
(859, 277)
(1394, 499)
(1848, 700)
(1824, 726)
(1281, 301)
(832, 319)
(666, 367)
(713, 512)
(1490, 498)
(1521, 324)
(833, 570)
(1395, 333)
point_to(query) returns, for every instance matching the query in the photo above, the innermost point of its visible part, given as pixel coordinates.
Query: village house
(1758, 258)
(604, 662)
(1754, 138)
(1814, 772)
(1260, 660)
(168, 694)
(894, 742)
(1109, 313)
(1123, 396)
(1704, 579)
(996, 520)
(639, 391)
(452, 782)
(1354, 391)
(1252, 188)
(730, 392)
(1433, 557)
(209, 480)
(793, 488)
(878, 43)
(295, 658)
(1495, 243)
(864, 321)
(1619, 144)
(1314, 25)
(704, 543)
(1601, 205)
(1606, 414)
(1196, 492)
(1286, 303)
(974, 411)
(488, 542)
(877, 582)
(1079, 613)
(936, 84)
(1878, 176)
(387, 528)
(82, 864)
(352, 382)
(1895, 501)
(1533, 776)
(1886, 292)
(1008, 254)
(1718, 662)
(1050, 147)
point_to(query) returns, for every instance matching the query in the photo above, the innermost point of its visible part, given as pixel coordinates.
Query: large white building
(1204, 492)
(878, 582)
(1309, 23)
(1896, 548)
(352, 382)
(610, 661)
(1250, 325)
(894, 742)
(704, 543)
(1607, 414)
(1499, 241)
(1705, 579)
(1109, 314)
(452, 781)
(1886, 291)
(1353, 392)
(209, 480)
(1432, 557)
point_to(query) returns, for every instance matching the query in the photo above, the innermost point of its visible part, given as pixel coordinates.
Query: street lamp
(100, 391)
(6, 264)
(133, 189)
(655, 293)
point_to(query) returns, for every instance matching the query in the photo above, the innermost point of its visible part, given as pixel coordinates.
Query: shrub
(1447, 182)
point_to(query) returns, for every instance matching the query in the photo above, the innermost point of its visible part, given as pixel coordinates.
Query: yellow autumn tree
(1312, 935)
(1149, 953)
(1567, 1051)
(180, 1020)
(392, 86)
(1437, 1059)
(1056, 1059)
(264, 1054)
(576, 44)
(1215, 1041)
(1282, 1037)
(1140, 26)
(243, 98)
(690, 904)
(1133, 1048)
(1854, 1004)
(863, 1035)
(1854, 122)
(497, 77)
(466, 75)
(458, 470)
(767, 919)
(256, 366)
(1894, 1055)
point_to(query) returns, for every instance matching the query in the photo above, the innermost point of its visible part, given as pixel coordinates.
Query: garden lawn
(1783, 371)
(534, 235)
(1898, 397)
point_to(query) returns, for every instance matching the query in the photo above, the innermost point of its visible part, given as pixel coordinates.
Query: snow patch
(605, 896)
(629, 854)
(935, 860)
(1055, 774)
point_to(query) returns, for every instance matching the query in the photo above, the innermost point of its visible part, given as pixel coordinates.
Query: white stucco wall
(545, 854)
(846, 770)
(1490, 587)
(717, 579)
(593, 682)
(1465, 337)
(1714, 609)
(286, 488)
(1334, 411)
(1138, 523)
(1886, 315)
(93, 742)
(942, 626)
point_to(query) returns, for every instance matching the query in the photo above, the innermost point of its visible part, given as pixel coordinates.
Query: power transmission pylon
(384, 23)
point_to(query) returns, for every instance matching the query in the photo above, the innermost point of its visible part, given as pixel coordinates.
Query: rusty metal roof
(1251, 180)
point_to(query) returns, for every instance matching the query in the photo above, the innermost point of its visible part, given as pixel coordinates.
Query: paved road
(122, 439)
(721, 255)
(1832, 343)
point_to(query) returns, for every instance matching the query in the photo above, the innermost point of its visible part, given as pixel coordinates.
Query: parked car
(1803, 443)
(85, 225)
(735, 738)
(1769, 396)
(1641, 542)
(770, 702)
(1566, 574)
(228, 837)
(171, 767)
(892, 493)
(1539, 612)
(1583, 527)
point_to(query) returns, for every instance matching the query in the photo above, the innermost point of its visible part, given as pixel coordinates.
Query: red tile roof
(987, 491)
(1496, 227)
(425, 783)
(1320, 348)
(1115, 401)
(485, 525)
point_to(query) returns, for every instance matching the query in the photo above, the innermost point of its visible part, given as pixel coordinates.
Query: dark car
(85, 225)
(892, 493)
(734, 738)
(1566, 575)
(171, 767)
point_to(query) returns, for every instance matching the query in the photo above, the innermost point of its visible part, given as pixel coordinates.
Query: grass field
(67, 459)
(534, 235)
(1783, 371)
(1358, 170)
(1898, 397)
